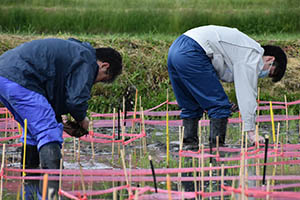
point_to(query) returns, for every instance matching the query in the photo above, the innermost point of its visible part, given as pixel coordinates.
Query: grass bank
(147, 16)
(145, 67)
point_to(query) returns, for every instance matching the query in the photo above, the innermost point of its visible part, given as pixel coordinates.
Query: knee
(50, 155)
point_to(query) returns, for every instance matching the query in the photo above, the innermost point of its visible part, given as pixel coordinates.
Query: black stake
(153, 173)
(265, 160)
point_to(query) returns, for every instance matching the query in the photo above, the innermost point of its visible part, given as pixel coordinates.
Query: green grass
(148, 16)
(145, 67)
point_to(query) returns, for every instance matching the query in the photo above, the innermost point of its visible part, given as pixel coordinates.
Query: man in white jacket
(203, 56)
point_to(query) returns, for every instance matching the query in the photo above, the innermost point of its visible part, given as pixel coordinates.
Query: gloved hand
(234, 108)
(74, 129)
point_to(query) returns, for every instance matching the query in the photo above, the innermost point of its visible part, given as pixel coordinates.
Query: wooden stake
(1, 171)
(268, 189)
(45, 185)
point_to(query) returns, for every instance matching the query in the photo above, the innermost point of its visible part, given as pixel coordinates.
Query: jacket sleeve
(245, 81)
(78, 88)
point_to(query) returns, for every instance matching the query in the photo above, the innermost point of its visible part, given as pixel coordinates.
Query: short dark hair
(279, 62)
(114, 59)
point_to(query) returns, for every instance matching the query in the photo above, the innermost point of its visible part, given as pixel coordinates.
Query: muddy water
(156, 147)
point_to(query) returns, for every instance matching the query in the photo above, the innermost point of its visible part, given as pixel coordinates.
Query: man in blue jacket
(44, 79)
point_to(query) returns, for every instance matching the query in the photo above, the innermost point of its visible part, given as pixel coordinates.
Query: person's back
(49, 66)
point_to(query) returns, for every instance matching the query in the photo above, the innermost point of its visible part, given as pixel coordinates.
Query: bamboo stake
(210, 182)
(113, 139)
(24, 157)
(74, 146)
(272, 118)
(258, 99)
(6, 118)
(222, 182)
(286, 115)
(1, 171)
(268, 189)
(78, 153)
(115, 194)
(91, 129)
(45, 185)
(144, 130)
(181, 133)
(82, 180)
(257, 159)
(60, 169)
(275, 159)
(125, 171)
(169, 187)
(195, 177)
(242, 165)
(232, 193)
(134, 113)
(167, 130)
(202, 168)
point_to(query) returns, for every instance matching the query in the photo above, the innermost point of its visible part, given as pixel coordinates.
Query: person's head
(110, 64)
(275, 57)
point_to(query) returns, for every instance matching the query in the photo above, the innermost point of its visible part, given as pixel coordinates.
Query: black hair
(279, 62)
(114, 59)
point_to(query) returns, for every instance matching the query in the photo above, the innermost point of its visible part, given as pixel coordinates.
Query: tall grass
(147, 16)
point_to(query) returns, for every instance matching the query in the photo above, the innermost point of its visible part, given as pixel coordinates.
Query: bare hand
(252, 138)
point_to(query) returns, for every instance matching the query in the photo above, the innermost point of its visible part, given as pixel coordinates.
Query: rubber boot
(190, 131)
(50, 156)
(217, 128)
(32, 161)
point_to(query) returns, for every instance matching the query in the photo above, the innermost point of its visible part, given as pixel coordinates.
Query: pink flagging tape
(66, 194)
(10, 138)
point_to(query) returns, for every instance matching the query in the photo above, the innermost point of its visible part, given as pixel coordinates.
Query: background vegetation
(143, 30)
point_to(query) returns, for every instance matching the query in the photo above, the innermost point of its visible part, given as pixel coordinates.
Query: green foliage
(146, 16)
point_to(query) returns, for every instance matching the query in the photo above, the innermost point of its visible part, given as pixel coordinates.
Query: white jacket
(236, 58)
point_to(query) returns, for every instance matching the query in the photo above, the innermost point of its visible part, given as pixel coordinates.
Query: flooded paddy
(93, 167)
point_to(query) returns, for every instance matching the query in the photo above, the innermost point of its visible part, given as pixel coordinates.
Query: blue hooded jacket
(63, 71)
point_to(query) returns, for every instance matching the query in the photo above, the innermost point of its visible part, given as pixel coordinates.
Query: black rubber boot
(190, 131)
(218, 127)
(32, 161)
(50, 156)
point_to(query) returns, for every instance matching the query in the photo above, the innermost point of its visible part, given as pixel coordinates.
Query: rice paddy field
(121, 154)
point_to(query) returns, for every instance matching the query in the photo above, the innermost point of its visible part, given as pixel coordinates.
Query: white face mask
(264, 73)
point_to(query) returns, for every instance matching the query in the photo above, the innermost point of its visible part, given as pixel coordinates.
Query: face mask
(265, 73)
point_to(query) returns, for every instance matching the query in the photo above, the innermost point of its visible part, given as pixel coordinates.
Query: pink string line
(142, 172)
(261, 193)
